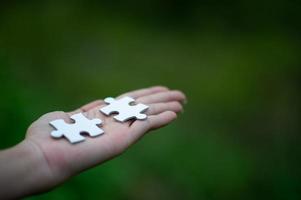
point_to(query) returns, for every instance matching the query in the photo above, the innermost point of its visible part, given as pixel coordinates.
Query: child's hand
(61, 160)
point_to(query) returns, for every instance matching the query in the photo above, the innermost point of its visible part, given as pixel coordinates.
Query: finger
(87, 107)
(92, 105)
(161, 97)
(143, 92)
(46, 118)
(139, 127)
(158, 108)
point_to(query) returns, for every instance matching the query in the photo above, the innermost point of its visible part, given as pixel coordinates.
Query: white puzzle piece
(124, 109)
(73, 131)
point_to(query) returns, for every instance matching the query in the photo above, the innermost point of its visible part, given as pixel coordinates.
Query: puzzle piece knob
(141, 116)
(109, 100)
(56, 134)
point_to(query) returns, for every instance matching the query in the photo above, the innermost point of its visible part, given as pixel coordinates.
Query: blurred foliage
(238, 61)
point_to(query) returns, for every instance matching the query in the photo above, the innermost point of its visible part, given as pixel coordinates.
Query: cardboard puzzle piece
(124, 109)
(73, 131)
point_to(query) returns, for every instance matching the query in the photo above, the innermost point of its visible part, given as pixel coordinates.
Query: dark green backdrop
(238, 62)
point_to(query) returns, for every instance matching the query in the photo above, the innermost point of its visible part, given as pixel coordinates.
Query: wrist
(39, 175)
(23, 171)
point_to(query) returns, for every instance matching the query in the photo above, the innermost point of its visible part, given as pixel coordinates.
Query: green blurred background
(237, 61)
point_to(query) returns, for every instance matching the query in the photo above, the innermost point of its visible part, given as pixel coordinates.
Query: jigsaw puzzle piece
(64, 129)
(73, 131)
(124, 109)
(87, 125)
(132, 113)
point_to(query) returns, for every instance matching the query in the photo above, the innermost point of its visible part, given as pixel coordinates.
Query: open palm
(63, 159)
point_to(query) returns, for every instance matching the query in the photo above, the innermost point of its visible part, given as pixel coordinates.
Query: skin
(40, 163)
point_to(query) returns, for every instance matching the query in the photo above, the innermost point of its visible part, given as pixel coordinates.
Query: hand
(61, 159)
